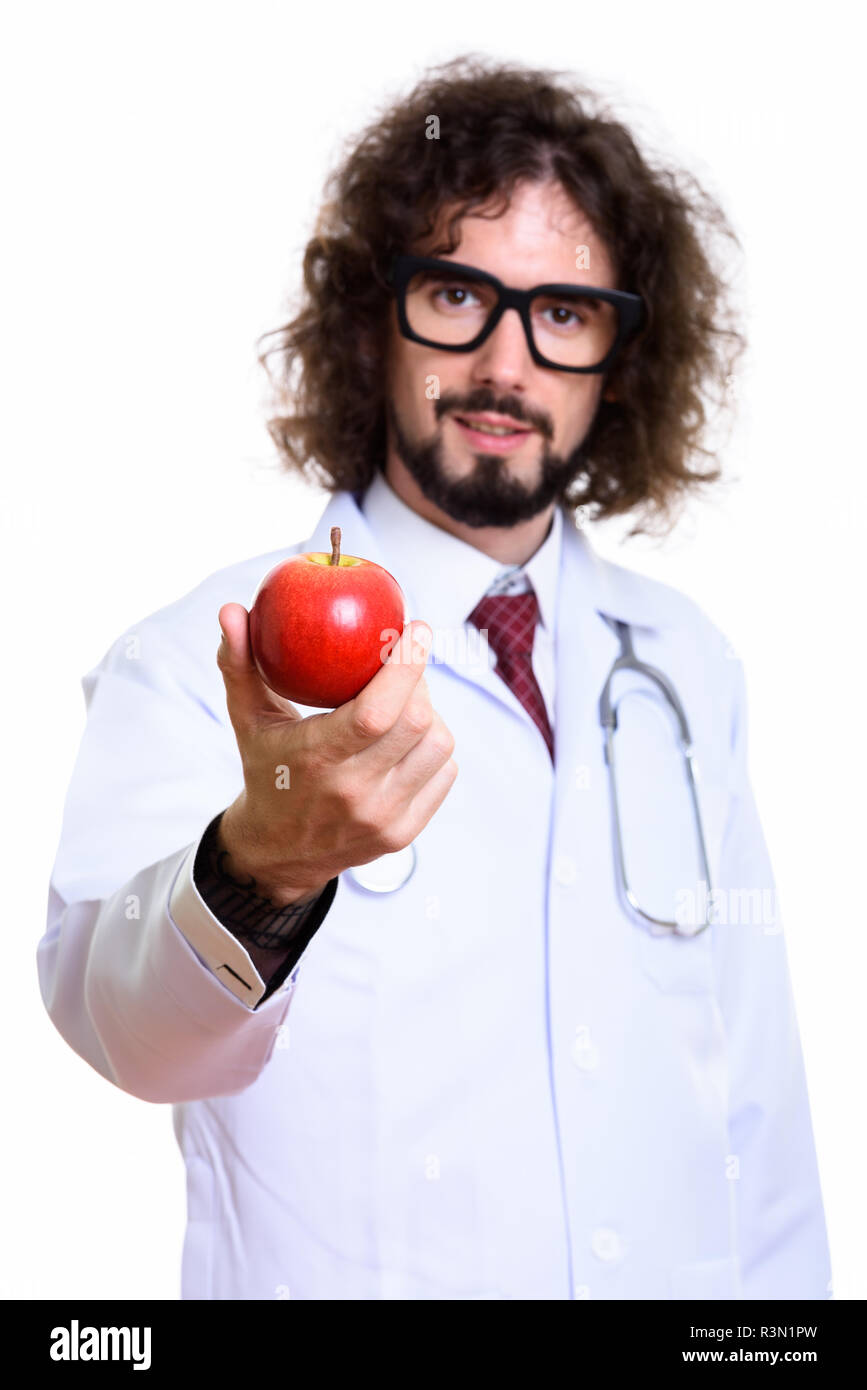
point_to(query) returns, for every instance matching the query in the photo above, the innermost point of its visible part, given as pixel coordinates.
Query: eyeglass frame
(631, 309)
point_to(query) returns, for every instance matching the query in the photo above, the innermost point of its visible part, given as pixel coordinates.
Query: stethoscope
(392, 871)
(628, 661)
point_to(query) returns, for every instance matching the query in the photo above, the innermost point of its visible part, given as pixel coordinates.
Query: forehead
(542, 235)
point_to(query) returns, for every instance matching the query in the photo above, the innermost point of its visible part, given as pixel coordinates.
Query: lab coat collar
(605, 586)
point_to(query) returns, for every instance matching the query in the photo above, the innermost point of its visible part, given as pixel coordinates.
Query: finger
(411, 726)
(247, 695)
(358, 723)
(428, 799)
(414, 729)
(424, 758)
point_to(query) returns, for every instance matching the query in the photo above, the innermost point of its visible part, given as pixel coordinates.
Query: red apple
(321, 625)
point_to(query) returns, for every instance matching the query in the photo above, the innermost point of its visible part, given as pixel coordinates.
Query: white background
(162, 166)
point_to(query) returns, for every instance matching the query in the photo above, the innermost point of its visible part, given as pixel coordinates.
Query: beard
(488, 495)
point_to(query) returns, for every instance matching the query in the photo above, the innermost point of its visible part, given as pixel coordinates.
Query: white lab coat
(492, 1082)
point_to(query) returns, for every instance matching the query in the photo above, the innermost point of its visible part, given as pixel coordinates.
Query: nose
(504, 358)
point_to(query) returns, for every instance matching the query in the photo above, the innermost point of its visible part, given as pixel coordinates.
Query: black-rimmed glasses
(574, 328)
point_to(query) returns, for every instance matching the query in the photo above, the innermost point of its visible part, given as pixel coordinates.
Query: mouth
(496, 436)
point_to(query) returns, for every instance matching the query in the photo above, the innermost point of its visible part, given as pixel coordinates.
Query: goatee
(488, 495)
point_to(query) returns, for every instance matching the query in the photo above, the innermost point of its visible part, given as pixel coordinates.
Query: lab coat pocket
(706, 1279)
(196, 1260)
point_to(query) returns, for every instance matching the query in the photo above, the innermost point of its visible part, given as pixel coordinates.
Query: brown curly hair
(500, 123)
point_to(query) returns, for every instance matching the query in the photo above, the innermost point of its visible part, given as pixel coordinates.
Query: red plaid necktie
(511, 623)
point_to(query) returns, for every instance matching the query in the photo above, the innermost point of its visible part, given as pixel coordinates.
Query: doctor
(418, 1041)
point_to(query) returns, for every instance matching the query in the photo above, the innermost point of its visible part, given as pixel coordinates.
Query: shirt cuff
(213, 943)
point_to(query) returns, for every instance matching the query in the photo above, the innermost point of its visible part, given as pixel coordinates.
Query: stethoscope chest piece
(386, 874)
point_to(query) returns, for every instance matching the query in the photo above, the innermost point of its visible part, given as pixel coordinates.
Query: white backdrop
(162, 165)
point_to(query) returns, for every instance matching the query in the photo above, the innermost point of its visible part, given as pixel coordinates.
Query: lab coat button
(564, 869)
(605, 1244)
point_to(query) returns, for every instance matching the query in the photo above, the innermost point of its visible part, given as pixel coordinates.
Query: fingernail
(423, 636)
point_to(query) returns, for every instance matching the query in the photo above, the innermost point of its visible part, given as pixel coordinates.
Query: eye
(454, 295)
(567, 315)
(564, 314)
(564, 317)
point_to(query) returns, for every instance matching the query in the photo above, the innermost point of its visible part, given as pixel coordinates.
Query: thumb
(247, 695)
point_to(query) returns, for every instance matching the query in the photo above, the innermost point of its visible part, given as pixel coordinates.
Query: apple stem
(335, 545)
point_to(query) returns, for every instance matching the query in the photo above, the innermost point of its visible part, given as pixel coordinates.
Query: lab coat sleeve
(776, 1195)
(136, 973)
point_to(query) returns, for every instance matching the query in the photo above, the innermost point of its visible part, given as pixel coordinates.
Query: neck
(510, 545)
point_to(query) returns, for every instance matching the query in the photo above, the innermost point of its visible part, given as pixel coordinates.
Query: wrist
(238, 849)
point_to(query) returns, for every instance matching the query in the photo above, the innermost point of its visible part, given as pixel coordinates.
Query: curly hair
(501, 123)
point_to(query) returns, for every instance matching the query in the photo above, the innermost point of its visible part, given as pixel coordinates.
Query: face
(495, 482)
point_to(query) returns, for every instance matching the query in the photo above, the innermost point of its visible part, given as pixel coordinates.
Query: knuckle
(370, 721)
(392, 840)
(363, 817)
(418, 718)
(352, 797)
(443, 742)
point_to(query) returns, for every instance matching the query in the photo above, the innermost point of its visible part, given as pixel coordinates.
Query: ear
(609, 394)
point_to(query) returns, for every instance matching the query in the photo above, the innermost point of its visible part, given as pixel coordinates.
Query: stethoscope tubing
(628, 661)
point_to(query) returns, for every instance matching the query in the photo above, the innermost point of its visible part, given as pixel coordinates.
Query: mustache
(485, 400)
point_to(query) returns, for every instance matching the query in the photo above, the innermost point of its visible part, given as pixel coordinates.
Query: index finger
(374, 710)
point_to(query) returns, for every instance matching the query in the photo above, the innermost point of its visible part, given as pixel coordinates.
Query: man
(419, 1041)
